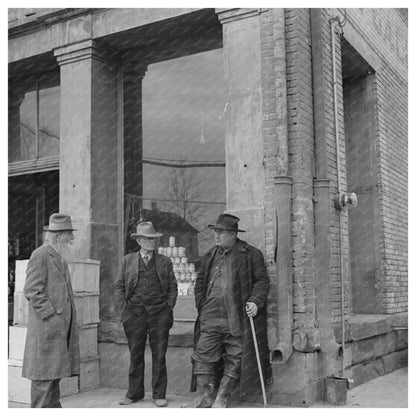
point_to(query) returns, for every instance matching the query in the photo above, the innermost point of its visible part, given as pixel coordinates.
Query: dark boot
(205, 388)
(227, 385)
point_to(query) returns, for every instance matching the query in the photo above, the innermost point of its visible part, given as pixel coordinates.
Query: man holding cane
(231, 287)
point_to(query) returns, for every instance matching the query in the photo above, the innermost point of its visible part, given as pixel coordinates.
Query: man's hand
(251, 309)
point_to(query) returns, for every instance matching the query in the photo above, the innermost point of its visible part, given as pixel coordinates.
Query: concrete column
(133, 128)
(88, 158)
(132, 77)
(244, 151)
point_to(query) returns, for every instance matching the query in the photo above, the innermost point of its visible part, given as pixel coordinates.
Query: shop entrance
(32, 199)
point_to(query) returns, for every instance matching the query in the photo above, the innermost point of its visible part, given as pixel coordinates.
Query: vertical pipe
(334, 89)
(281, 340)
(330, 349)
(37, 121)
(120, 165)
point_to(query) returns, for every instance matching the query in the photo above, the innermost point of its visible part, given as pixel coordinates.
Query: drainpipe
(343, 200)
(280, 332)
(330, 350)
(282, 347)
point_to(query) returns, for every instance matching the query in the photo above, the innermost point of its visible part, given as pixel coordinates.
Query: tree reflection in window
(184, 149)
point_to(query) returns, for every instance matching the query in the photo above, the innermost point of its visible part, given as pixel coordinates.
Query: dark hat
(59, 222)
(146, 229)
(226, 222)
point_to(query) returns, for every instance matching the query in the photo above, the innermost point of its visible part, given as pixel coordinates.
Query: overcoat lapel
(210, 257)
(239, 258)
(56, 259)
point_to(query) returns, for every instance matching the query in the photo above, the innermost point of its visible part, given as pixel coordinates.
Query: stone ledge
(362, 326)
(363, 372)
(181, 334)
(374, 347)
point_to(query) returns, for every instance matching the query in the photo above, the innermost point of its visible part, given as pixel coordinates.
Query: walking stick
(263, 389)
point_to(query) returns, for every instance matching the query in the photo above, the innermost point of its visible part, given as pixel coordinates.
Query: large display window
(34, 106)
(183, 159)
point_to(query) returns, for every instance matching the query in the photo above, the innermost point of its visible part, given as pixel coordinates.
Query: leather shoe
(161, 402)
(126, 401)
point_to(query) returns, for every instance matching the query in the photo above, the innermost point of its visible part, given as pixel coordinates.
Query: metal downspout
(330, 350)
(280, 332)
(343, 200)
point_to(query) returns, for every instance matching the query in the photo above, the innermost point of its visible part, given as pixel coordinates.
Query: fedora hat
(59, 222)
(226, 222)
(146, 229)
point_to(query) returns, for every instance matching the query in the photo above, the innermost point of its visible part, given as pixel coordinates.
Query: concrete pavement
(389, 391)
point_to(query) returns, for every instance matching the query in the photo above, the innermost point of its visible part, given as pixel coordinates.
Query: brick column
(88, 158)
(329, 349)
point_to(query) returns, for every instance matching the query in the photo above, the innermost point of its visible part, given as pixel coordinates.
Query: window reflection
(22, 119)
(183, 154)
(32, 99)
(49, 113)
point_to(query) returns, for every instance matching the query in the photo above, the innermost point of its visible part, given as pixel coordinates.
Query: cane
(263, 389)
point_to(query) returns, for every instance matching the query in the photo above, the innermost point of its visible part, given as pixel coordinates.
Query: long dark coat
(250, 284)
(49, 353)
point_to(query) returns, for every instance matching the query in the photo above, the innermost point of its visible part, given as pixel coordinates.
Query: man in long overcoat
(52, 342)
(146, 289)
(232, 285)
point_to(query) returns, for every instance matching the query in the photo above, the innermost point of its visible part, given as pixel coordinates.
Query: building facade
(295, 120)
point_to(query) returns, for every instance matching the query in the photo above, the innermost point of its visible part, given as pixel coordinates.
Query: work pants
(137, 328)
(214, 345)
(45, 393)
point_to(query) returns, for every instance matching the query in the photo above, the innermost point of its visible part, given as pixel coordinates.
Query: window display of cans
(184, 272)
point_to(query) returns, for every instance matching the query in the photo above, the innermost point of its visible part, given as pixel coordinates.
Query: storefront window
(49, 97)
(34, 117)
(183, 162)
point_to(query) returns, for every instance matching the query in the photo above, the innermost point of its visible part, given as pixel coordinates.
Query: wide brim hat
(146, 229)
(226, 222)
(59, 222)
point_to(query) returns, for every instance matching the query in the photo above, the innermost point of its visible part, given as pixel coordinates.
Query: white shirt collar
(149, 256)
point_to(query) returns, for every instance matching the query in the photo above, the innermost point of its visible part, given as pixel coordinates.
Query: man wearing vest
(146, 289)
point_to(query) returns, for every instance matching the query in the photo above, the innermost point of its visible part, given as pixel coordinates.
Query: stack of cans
(185, 272)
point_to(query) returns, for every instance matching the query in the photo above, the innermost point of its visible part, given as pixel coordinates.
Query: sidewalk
(389, 391)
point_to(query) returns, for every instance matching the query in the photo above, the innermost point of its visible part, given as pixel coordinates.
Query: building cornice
(230, 15)
(88, 49)
(45, 17)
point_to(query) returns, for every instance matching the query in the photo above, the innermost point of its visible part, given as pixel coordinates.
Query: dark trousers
(45, 393)
(136, 329)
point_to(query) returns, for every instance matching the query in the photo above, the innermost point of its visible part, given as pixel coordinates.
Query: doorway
(32, 199)
(359, 83)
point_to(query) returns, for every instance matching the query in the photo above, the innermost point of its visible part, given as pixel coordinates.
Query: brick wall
(383, 39)
(301, 157)
(384, 33)
(332, 163)
(274, 120)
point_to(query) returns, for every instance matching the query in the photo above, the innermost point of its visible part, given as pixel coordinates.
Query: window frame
(37, 164)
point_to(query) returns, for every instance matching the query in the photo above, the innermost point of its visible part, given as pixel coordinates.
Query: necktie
(146, 260)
